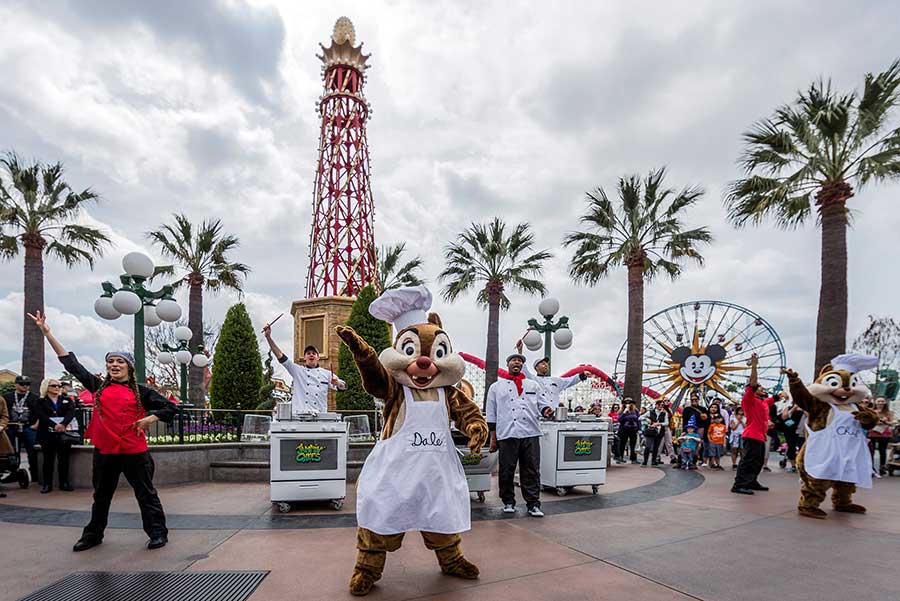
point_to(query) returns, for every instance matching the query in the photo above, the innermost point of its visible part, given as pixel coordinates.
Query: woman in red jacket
(123, 411)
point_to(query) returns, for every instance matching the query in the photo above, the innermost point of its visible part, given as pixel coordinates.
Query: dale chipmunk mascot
(835, 455)
(413, 479)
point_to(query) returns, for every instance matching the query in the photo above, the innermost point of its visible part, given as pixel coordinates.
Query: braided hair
(132, 384)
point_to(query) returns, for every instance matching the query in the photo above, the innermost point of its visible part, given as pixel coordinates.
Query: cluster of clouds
(481, 110)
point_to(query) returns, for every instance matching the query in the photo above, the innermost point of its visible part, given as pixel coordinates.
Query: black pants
(651, 446)
(793, 444)
(25, 438)
(626, 438)
(751, 463)
(54, 452)
(138, 470)
(880, 444)
(527, 453)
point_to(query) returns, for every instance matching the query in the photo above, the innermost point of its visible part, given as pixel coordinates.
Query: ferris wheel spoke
(663, 332)
(674, 327)
(708, 319)
(684, 325)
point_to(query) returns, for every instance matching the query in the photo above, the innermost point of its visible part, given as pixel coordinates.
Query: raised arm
(754, 377)
(68, 360)
(267, 331)
(802, 397)
(375, 378)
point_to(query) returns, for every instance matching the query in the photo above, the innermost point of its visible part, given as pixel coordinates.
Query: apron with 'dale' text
(839, 451)
(414, 480)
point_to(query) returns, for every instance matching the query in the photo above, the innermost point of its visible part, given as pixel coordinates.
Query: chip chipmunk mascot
(413, 479)
(836, 454)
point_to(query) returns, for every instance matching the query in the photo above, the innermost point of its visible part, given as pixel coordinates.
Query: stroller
(11, 469)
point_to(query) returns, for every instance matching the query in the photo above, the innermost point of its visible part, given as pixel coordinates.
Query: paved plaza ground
(651, 534)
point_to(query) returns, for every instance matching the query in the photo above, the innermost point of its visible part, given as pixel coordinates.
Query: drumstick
(274, 320)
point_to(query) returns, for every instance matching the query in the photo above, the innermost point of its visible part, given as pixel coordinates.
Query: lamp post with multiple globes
(558, 331)
(183, 355)
(150, 308)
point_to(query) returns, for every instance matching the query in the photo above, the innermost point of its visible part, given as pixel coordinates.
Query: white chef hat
(402, 307)
(854, 363)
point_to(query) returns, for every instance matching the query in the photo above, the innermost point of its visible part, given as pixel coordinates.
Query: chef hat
(402, 307)
(854, 363)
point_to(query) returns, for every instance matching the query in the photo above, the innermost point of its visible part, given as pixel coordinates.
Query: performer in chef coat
(514, 404)
(310, 382)
(551, 386)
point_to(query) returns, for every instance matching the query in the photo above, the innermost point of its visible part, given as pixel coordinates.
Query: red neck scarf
(517, 379)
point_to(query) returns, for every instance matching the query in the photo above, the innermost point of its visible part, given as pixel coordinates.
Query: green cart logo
(584, 447)
(309, 453)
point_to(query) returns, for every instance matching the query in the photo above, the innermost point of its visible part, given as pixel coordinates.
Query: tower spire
(341, 243)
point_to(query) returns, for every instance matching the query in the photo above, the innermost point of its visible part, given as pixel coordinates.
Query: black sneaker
(85, 543)
(157, 542)
(758, 487)
(741, 491)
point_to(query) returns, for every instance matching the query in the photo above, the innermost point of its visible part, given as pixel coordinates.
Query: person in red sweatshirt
(123, 411)
(756, 408)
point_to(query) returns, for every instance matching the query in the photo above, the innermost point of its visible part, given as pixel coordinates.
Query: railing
(200, 426)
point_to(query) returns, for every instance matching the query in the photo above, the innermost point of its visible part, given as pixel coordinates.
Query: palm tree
(391, 273)
(37, 208)
(489, 260)
(202, 255)
(816, 152)
(645, 234)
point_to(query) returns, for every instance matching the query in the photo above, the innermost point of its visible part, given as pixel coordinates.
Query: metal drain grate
(151, 586)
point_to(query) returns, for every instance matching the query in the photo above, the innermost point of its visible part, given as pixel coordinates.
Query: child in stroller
(11, 469)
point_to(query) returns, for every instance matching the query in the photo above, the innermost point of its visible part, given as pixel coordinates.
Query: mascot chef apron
(840, 451)
(430, 493)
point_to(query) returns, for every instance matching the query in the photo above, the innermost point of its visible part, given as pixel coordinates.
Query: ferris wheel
(706, 346)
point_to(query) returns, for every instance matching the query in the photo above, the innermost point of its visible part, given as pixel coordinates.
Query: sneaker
(536, 512)
(509, 508)
(766, 468)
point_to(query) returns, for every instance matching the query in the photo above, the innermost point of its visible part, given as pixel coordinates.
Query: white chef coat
(309, 390)
(552, 386)
(516, 415)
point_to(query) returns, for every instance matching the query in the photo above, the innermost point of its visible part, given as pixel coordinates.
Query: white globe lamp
(200, 360)
(126, 302)
(168, 310)
(166, 358)
(562, 338)
(183, 357)
(138, 265)
(103, 307)
(532, 340)
(548, 307)
(183, 333)
(151, 319)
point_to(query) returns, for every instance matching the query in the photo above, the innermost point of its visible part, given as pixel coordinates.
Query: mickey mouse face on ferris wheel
(697, 369)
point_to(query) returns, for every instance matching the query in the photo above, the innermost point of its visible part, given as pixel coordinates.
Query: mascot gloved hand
(835, 455)
(415, 459)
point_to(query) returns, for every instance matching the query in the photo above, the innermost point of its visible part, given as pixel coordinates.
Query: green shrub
(237, 366)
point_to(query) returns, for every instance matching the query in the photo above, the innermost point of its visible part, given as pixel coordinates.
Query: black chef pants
(751, 463)
(527, 453)
(55, 453)
(138, 470)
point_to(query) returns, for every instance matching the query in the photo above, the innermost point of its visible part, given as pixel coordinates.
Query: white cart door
(581, 450)
(308, 456)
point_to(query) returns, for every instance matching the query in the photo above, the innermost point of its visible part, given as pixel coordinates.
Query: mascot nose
(423, 362)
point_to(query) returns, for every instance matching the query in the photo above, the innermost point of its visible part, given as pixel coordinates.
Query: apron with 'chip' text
(839, 451)
(414, 480)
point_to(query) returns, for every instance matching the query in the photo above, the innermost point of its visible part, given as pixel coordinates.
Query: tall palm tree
(37, 208)
(487, 259)
(644, 232)
(202, 255)
(817, 151)
(394, 274)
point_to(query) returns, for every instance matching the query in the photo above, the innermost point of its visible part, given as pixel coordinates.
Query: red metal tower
(342, 242)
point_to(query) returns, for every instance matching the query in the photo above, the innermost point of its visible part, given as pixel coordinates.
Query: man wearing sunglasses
(20, 404)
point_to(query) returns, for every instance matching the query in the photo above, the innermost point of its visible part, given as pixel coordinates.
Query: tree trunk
(491, 358)
(196, 393)
(634, 357)
(32, 339)
(831, 323)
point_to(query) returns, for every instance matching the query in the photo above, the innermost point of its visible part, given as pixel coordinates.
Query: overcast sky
(481, 109)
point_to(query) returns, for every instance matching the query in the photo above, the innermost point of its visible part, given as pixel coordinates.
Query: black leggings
(880, 444)
(793, 444)
(626, 438)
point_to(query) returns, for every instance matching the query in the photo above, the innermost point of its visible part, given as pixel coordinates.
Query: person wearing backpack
(629, 426)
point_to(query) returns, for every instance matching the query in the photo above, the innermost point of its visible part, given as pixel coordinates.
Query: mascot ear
(716, 352)
(434, 318)
(680, 354)
(825, 369)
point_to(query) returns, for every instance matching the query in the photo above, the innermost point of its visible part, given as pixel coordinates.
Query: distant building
(7, 375)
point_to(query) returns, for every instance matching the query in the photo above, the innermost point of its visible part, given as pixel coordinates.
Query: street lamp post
(150, 308)
(183, 355)
(559, 331)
